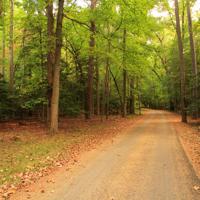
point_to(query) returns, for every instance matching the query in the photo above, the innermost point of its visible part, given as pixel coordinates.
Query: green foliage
(5, 103)
(70, 99)
(151, 56)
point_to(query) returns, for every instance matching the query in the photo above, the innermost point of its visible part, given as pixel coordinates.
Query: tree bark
(11, 58)
(97, 88)
(124, 109)
(132, 97)
(107, 85)
(1, 8)
(56, 76)
(3, 40)
(139, 97)
(89, 89)
(182, 64)
(50, 54)
(102, 100)
(194, 61)
(183, 21)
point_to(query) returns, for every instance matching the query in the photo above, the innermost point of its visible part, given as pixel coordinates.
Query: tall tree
(107, 74)
(3, 39)
(91, 62)
(97, 87)
(56, 69)
(11, 80)
(50, 54)
(1, 8)
(132, 97)
(107, 81)
(139, 95)
(124, 109)
(181, 63)
(194, 61)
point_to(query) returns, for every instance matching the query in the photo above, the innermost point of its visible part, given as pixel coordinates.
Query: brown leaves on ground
(81, 135)
(190, 138)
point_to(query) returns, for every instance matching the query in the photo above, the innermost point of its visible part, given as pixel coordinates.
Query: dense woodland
(103, 57)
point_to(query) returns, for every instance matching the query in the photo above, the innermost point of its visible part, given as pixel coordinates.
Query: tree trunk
(1, 8)
(3, 40)
(89, 89)
(102, 100)
(41, 53)
(182, 64)
(124, 111)
(43, 117)
(56, 76)
(81, 79)
(118, 90)
(139, 97)
(97, 89)
(139, 104)
(107, 78)
(183, 21)
(132, 98)
(50, 54)
(194, 61)
(11, 78)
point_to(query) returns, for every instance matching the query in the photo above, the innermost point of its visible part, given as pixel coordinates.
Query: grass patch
(20, 156)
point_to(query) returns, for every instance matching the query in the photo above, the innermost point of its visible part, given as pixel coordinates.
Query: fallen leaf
(196, 187)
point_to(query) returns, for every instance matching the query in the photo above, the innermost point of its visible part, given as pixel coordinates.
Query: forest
(66, 58)
(77, 73)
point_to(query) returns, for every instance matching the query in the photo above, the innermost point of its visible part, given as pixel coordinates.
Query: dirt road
(146, 164)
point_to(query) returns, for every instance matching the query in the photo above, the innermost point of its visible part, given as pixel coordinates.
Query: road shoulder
(190, 139)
